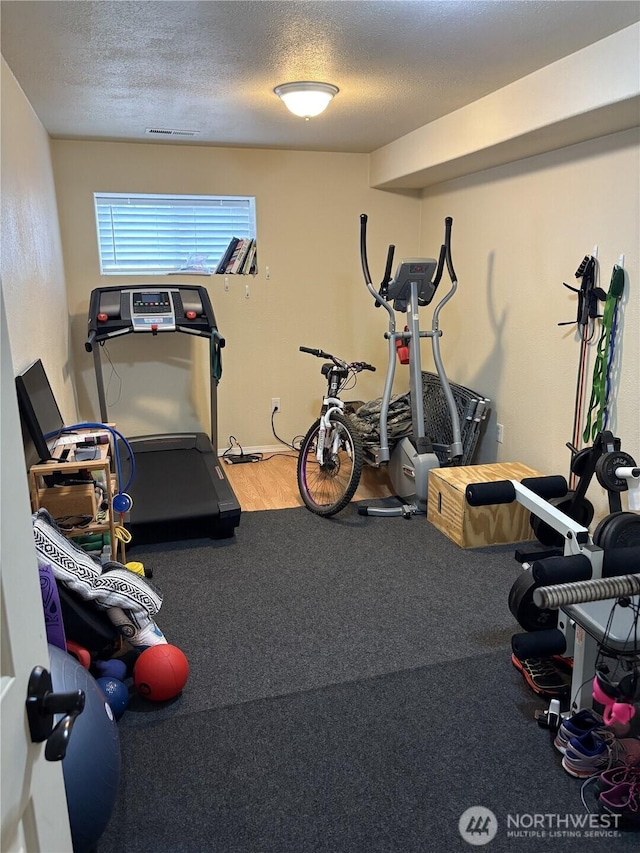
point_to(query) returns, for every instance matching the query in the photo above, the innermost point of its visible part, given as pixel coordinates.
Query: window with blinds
(160, 234)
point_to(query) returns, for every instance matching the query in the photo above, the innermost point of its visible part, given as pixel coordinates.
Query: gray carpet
(350, 691)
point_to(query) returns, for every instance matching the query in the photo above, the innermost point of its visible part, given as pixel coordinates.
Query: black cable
(611, 654)
(275, 434)
(115, 373)
(230, 457)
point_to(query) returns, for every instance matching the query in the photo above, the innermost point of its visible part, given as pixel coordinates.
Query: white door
(34, 806)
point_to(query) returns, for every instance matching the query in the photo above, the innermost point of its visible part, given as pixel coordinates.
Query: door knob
(42, 703)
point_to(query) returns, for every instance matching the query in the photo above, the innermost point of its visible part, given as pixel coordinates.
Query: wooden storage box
(69, 500)
(477, 527)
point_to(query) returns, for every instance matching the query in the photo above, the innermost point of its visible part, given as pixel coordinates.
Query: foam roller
(547, 487)
(488, 494)
(539, 644)
(575, 567)
(620, 561)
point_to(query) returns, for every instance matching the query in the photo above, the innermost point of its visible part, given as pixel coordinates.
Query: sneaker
(627, 771)
(543, 675)
(576, 726)
(589, 754)
(623, 800)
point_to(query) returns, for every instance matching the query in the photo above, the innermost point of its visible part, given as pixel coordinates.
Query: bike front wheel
(327, 485)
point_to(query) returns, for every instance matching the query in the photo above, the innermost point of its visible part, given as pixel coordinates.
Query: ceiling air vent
(166, 131)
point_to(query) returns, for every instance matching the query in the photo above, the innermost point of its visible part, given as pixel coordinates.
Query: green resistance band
(599, 388)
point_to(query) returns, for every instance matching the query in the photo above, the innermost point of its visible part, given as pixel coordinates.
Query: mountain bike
(331, 455)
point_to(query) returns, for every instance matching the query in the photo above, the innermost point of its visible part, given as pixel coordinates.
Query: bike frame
(331, 405)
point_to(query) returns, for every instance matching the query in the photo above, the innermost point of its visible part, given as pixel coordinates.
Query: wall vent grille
(166, 131)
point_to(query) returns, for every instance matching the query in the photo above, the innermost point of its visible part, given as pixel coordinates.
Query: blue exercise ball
(116, 693)
(91, 766)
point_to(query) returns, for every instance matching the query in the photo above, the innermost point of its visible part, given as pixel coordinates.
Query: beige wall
(519, 232)
(31, 261)
(308, 208)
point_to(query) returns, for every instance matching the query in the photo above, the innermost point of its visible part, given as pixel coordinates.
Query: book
(244, 268)
(238, 256)
(249, 259)
(234, 257)
(254, 261)
(224, 260)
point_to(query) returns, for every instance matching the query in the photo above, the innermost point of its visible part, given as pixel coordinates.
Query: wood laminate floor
(271, 483)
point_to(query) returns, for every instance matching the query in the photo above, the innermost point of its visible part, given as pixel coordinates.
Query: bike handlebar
(354, 365)
(317, 352)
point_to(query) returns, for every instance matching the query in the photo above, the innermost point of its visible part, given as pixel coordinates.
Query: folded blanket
(129, 600)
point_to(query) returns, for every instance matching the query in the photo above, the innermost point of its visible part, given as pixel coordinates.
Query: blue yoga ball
(91, 766)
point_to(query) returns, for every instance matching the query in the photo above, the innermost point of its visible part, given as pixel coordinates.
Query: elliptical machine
(412, 287)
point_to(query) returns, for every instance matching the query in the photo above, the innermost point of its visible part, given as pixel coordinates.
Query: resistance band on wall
(598, 412)
(588, 295)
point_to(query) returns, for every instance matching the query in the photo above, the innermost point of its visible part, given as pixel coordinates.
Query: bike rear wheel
(327, 487)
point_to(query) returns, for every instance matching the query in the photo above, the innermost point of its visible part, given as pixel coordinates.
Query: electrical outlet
(275, 404)
(499, 433)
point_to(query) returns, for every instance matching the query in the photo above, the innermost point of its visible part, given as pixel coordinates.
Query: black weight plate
(579, 461)
(600, 528)
(529, 616)
(618, 530)
(580, 511)
(606, 470)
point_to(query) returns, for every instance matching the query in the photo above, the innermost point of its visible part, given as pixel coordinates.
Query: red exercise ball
(161, 672)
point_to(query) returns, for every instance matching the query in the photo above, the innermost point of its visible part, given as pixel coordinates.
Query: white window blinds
(158, 234)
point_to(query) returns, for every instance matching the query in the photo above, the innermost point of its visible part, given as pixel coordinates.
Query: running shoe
(543, 675)
(627, 771)
(623, 800)
(576, 726)
(589, 754)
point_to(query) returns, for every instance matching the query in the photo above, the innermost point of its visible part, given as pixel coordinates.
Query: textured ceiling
(109, 70)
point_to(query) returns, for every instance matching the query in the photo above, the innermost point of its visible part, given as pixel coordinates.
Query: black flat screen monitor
(39, 413)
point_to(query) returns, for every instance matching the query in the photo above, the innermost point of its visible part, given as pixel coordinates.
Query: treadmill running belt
(179, 490)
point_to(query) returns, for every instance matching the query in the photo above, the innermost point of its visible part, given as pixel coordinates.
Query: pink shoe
(623, 800)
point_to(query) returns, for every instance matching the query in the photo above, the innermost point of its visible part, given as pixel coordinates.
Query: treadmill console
(148, 308)
(152, 311)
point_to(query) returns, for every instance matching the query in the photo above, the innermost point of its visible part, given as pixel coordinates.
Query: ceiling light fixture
(306, 99)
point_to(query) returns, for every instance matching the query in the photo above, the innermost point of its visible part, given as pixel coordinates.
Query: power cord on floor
(234, 454)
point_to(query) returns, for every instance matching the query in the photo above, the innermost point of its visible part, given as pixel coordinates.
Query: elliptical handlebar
(383, 290)
(445, 255)
(380, 296)
(447, 245)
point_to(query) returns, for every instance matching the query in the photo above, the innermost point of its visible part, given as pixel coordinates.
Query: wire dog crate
(472, 410)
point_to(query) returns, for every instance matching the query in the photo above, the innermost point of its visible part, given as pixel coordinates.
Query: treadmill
(180, 490)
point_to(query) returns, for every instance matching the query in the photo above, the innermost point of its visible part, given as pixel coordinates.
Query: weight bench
(584, 624)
